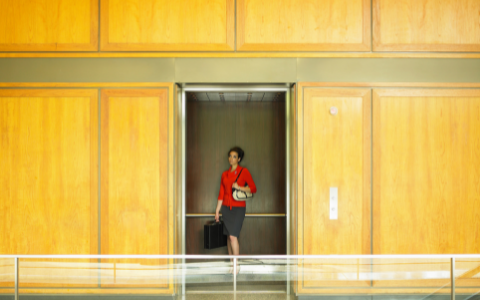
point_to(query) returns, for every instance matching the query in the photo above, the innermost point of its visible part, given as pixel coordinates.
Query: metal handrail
(451, 257)
(189, 256)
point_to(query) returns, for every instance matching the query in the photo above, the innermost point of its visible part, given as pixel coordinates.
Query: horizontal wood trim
(245, 54)
(304, 47)
(49, 93)
(392, 84)
(104, 291)
(425, 93)
(86, 84)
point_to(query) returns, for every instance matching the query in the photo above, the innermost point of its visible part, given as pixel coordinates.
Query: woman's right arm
(220, 201)
(217, 212)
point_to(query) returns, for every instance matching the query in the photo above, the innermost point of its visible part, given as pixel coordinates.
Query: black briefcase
(213, 236)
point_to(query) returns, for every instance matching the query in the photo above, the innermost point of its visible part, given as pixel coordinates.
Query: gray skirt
(232, 220)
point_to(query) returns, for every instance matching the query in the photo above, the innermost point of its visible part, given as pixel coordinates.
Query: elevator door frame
(231, 88)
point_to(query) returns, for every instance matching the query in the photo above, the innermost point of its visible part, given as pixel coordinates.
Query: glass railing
(389, 276)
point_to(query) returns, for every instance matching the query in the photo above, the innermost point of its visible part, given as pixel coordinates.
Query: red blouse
(228, 179)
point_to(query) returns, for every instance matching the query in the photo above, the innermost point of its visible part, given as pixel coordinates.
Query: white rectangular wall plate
(333, 203)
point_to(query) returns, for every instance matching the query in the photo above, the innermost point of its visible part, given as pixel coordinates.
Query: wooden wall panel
(426, 25)
(296, 25)
(335, 152)
(425, 171)
(136, 181)
(48, 180)
(162, 25)
(48, 25)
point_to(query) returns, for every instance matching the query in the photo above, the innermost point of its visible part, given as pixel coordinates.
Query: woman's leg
(229, 246)
(235, 248)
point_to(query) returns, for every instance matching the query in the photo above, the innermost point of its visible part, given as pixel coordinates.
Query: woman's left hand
(236, 186)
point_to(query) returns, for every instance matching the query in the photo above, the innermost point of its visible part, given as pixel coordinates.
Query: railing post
(452, 277)
(16, 278)
(235, 276)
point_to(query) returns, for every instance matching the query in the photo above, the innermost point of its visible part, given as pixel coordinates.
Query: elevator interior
(254, 121)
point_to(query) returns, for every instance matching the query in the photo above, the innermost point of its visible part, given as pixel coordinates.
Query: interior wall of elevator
(213, 127)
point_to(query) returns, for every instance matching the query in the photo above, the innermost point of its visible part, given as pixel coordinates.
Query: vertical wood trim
(240, 24)
(230, 26)
(94, 28)
(104, 172)
(377, 41)
(367, 25)
(376, 172)
(104, 28)
(367, 173)
(94, 173)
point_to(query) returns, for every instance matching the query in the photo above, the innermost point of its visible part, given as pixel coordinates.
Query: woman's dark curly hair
(239, 152)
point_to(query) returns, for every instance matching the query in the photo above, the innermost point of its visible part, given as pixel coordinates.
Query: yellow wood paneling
(163, 25)
(252, 54)
(297, 25)
(48, 25)
(334, 151)
(426, 25)
(49, 177)
(425, 171)
(137, 184)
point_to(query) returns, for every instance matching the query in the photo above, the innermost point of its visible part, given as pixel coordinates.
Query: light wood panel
(137, 183)
(162, 25)
(48, 177)
(426, 162)
(334, 151)
(48, 25)
(426, 25)
(296, 25)
(252, 54)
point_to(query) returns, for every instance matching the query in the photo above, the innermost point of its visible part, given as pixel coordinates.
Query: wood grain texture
(335, 153)
(137, 181)
(49, 177)
(161, 25)
(426, 25)
(425, 171)
(458, 55)
(296, 25)
(48, 25)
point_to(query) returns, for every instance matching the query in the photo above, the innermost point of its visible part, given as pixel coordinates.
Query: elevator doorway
(216, 121)
(211, 120)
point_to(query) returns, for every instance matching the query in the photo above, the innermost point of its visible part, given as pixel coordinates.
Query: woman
(233, 212)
